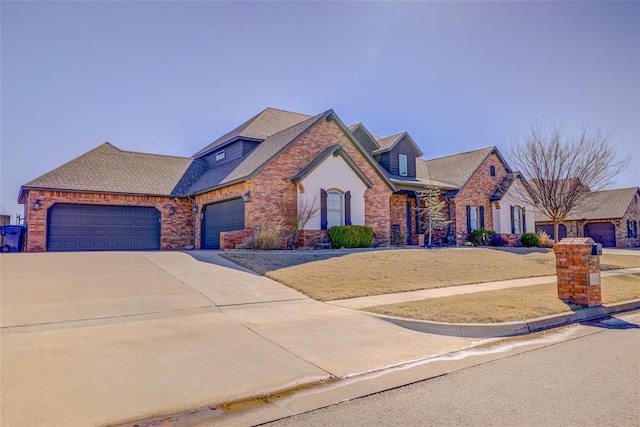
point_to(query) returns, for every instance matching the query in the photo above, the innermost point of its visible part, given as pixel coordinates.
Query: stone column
(578, 271)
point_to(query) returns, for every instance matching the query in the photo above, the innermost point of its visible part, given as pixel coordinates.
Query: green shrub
(350, 236)
(480, 237)
(530, 240)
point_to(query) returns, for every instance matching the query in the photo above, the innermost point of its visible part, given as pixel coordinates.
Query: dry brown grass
(506, 305)
(339, 274)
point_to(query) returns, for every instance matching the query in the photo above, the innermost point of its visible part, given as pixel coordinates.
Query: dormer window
(402, 164)
(492, 170)
(220, 155)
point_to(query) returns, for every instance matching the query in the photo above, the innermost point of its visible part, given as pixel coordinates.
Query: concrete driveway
(103, 338)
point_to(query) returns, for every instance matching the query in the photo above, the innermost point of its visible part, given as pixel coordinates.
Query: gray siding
(247, 146)
(390, 160)
(364, 140)
(233, 151)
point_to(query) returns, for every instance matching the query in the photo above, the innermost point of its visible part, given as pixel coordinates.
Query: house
(260, 172)
(609, 217)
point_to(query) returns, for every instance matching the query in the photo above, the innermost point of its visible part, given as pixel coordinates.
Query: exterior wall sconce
(195, 208)
(246, 197)
(37, 205)
(172, 210)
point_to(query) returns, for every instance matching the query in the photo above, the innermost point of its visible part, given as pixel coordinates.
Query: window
(474, 217)
(517, 220)
(220, 155)
(632, 229)
(402, 160)
(334, 209)
(492, 170)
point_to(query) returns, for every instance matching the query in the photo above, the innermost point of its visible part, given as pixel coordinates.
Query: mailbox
(596, 249)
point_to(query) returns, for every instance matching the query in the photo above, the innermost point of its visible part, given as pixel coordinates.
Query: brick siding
(175, 230)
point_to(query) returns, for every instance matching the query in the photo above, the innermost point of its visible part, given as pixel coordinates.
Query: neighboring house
(609, 217)
(260, 172)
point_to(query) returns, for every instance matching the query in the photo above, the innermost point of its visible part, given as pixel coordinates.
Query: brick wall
(632, 213)
(578, 272)
(273, 192)
(476, 192)
(175, 230)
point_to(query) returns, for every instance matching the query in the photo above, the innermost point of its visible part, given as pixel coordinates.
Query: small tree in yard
(295, 221)
(432, 210)
(563, 171)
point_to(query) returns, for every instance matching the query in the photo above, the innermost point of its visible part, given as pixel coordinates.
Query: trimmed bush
(480, 236)
(529, 240)
(498, 240)
(350, 236)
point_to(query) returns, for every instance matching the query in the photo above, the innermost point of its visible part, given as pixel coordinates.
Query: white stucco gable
(501, 209)
(332, 173)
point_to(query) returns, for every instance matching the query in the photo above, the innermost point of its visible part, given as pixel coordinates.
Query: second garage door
(102, 228)
(218, 217)
(601, 232)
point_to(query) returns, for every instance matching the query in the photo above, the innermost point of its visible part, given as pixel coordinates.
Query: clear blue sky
(170, 77)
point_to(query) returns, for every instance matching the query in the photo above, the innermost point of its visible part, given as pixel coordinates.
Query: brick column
(578, 272)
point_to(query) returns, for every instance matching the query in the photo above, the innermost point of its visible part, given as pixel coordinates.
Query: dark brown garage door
(562, 230)
(601, 232)
(102, 228)
(218, 217)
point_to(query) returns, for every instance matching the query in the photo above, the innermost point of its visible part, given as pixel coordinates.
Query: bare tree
(295, 221)
(563, 171)
(431, 209)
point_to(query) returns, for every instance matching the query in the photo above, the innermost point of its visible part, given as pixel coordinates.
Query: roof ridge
(284, 111)
(492, 147)
(153, 154)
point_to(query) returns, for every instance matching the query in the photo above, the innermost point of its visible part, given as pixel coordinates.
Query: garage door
(601, 232)
(102, 228)
(562, 230)
(217, 217)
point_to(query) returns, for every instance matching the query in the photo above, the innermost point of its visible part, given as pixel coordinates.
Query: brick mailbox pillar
(578, 270)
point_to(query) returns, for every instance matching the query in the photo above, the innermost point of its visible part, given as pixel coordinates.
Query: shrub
(267, 237)
(350, 236)
(544, 239)
(498, 240)
(529, 240)
(480, 237)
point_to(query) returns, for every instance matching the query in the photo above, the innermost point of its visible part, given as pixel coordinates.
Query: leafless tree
(562, 171)
(431, 209)
(294, 221)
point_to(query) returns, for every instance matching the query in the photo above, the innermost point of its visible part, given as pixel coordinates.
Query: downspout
(194, 210)
(450, 234)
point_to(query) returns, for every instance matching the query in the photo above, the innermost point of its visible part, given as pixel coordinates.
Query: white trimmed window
(402, 164)
(335, 209)
(517, 220)
(220, 155)
(474, 217)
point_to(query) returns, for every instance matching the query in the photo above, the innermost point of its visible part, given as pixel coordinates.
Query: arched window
(492, 170)
(335, 208)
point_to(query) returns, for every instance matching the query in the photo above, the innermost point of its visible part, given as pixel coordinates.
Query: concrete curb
(507, 329)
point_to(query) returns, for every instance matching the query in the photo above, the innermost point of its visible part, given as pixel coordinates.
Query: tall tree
(432, 210)
(564, 170)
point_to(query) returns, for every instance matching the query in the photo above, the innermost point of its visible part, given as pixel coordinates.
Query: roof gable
(335, 150)
(108, 169)
(261, 126)
(371, 142)
(389, 142)
(457, 169)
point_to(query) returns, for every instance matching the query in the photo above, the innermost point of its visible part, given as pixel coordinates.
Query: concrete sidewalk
(362, 302)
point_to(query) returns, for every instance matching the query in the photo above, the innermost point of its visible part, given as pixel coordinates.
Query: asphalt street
(592, 380)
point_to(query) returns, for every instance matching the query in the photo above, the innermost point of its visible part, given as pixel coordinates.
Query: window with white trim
(220, 155)
(474, 217)
(335, 209)
(517, 220)
(402, 164)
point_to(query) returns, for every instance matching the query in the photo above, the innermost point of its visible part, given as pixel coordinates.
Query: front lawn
(334, 275)
(506, 305)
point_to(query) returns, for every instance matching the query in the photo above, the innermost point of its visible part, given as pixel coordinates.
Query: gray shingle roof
(603, 204)
(260, 156)
(455, 169)
(107, 168)
(261, 126)
(389, 141)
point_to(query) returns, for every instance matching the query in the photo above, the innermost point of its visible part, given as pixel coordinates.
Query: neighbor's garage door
(217, 217)
(102, 228)
(562, 230)
(601, 232)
